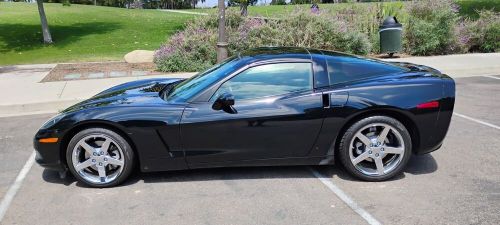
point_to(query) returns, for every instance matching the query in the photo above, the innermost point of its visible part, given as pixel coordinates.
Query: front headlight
(52, 121)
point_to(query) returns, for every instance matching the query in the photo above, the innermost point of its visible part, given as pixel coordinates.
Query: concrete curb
(36, 108)
(464, 65)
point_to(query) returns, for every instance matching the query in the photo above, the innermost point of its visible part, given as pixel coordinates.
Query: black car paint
(296, 129)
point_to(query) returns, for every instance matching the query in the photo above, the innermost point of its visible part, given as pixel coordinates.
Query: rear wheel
(99, 157)
(375, 148)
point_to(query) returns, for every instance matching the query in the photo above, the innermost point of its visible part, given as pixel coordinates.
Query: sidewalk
(465, 65)
(23, 94)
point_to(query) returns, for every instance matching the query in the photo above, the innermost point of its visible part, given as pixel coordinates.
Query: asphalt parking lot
(458, 184)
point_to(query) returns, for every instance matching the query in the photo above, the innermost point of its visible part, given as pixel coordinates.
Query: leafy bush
(481, 35)
(137, 4)
(366, 18)
(194, 48)
(66, 3)
(471, 8)
(190, 50)
(430, 28)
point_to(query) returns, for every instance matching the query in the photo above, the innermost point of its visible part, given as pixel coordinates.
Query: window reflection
(190, 87)
(345, 69)
(269, 80)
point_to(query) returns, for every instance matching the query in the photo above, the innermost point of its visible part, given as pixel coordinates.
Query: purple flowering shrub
(434, 28)
(189, 50)
(194, 48)
(137, 4)
(481, 35)
(431, 28)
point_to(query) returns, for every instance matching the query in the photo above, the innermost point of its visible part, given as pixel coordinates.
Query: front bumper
(48, 155)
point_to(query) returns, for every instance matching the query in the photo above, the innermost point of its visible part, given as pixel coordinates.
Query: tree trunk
(243, 9)
(222, 39)
(47, 38)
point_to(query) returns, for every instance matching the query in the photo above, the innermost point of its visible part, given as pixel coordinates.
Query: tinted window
(343, 69)
(192, 86)
(268, 80)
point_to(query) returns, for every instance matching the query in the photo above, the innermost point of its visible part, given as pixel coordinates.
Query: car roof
(283, 53)
(270, 53)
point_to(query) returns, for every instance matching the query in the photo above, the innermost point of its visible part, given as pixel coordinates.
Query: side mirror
(225, 101)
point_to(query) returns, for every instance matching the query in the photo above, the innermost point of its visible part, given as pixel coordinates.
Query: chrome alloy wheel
(376, 149)
(98, 159)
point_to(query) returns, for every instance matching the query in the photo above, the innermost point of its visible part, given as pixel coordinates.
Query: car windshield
(190, 87)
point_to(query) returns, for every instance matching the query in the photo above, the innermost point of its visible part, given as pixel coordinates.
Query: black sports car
(266, 106)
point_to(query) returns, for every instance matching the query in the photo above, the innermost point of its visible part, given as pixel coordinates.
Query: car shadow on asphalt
(418, 164)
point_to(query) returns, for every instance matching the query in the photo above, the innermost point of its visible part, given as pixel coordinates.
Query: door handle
(326, 100)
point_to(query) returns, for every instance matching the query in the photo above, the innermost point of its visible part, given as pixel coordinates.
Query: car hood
(134, 93)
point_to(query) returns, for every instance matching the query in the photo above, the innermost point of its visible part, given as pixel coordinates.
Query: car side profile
(264, 106)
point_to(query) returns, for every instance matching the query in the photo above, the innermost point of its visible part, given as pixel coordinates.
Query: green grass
(93, 33)
(80, 32)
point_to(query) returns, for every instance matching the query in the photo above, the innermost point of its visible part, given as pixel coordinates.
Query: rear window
(345, 69)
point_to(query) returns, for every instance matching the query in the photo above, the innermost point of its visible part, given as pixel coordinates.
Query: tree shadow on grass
(23, 37)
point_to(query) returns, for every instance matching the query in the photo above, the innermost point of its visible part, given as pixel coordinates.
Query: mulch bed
(106, 69)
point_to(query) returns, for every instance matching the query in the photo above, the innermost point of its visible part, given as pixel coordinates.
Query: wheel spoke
(380, 165)
(393, 150)
(363, 139)
(360, 158)
(105, 146)
(383, 135)
(114, 161)
(98, 159)
(87, 147)
(102, 173)
(83, 165)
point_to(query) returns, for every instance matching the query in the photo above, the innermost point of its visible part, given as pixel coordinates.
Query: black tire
(344, 147)
(128, 156)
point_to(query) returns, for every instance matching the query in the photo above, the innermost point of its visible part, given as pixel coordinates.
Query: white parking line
(345, 198)
(498, 78)
(477, 121)
(9, 196)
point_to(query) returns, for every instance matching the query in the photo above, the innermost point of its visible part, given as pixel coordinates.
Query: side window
(343, 69)
(268, 80)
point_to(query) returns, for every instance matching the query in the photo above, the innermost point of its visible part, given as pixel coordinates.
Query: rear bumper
(422, 151)
(433, 138)
(48, 155)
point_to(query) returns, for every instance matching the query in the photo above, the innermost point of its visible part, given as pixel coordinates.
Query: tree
(278, 2)
(243, 5)
(47, 38)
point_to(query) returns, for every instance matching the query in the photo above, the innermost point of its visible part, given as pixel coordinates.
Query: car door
(277, 115)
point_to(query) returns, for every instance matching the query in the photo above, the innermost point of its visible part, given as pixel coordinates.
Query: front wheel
(99, 157)
(375, 148)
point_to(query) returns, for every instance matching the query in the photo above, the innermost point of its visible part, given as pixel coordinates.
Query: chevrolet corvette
(261, 107)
